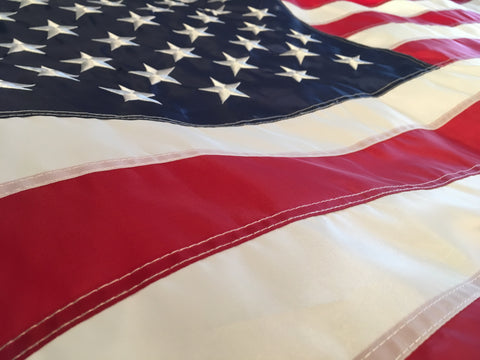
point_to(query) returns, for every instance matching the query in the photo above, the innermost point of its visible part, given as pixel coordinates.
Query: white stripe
(428, 101)
(321, 288)
(389, 36)
(341, 9)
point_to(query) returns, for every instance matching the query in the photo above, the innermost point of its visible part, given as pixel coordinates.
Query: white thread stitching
(425, 308)
(394, 188)
(445, 317)
(25, 183)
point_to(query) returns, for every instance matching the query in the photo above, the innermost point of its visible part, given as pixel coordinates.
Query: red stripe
(311, 4)
(441, 51)
(134, 216)
(368, 19)
(457, 339)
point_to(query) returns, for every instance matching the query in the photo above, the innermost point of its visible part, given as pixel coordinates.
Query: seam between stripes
(424, 309)
(392, 190)
(444, 318)
(159, 158)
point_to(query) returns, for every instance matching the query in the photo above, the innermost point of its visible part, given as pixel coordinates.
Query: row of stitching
(156, 275)
(29, 182)
(419, 313)
(441, 321)
(393, 189)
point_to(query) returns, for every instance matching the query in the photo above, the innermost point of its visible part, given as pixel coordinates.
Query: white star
(236, 64)
(224, 90)
(258, 13)
(5, 16)
(297, 75)
(249, 44)
(205, 18)
(256, 29)
(178, 52)
(193, 33)
(46, 71)
(18, 46)
(88, 62)
(53, 29)
(302, 37)
(220, 11)
(155, 76)
(107, 3)
(222, 1)
(132, 95)
(170, 3)
(24, 3)
(81, 10)
(353, 61)
(298, 52)
(16, 86)
(155, 9)
(138, 20)
(117, 41)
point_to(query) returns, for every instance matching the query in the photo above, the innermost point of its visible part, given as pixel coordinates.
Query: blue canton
(193, 62)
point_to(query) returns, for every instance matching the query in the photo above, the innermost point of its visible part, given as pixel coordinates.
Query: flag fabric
(211, 179)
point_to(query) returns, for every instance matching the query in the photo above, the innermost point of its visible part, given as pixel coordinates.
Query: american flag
(211, 179)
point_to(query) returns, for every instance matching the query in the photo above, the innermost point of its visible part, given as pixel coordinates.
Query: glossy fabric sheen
(300, 292)
(224, 200)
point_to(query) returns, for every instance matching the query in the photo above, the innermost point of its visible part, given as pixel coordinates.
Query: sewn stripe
(441, 94)
(357, 22)
(220, 202)
(436, 51)
(279, 289)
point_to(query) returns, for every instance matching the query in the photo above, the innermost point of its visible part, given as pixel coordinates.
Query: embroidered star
(170, 3)
(88, 62)
(193, 33)
(16, 86)
(224, 90)
(220, 11)
(205, 18)
(116, 41)
(298, 52)
(107, 3)
(297, 75)
(24, 3)
(256, 29)
(18, 46)
(353, 61)
(138, 20)
(155, 76)
(5, 16)
(54, 29)
(46, 71)
(249, 44)
(302, 37)
(258, 13)
(81, 10)
(236, 64)
(132, 95)
(178, 52)
(155, 9)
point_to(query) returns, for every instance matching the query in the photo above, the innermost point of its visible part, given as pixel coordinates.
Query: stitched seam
(446, 317)
(394, 189)
(94, 166)
(308, 109)
(412, 318)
